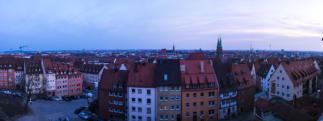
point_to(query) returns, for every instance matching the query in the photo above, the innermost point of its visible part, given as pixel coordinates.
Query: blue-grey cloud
(189, 24)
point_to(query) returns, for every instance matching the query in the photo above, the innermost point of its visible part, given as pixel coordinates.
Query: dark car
(67, 98)
(77, 111)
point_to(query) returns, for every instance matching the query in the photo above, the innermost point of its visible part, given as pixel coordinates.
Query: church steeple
(219, 53)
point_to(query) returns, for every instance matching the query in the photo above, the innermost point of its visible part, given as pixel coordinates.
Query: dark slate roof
(91, 68)
(263, 70)
(113, 76)
(225, 77)
(171, 68)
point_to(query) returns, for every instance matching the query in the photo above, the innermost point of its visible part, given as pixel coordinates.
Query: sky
(156, 24)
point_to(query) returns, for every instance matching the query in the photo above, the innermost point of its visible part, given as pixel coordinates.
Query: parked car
(83, 115)
(78, 111)
(56, 99)
(67, 98)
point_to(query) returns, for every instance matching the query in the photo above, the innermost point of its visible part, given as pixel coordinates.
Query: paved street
(53, 110)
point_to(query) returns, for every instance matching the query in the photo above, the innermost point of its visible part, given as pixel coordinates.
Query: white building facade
(265, 81)
(141, 104)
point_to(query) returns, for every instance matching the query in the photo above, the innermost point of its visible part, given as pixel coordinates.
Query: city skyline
(76, 25)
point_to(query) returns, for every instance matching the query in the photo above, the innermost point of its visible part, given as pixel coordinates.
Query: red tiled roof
(142, 75)
(197, 56)
(242, 76)
(301, 70)
(197, 71)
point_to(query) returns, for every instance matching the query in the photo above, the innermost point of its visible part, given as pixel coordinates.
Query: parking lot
(44, 110)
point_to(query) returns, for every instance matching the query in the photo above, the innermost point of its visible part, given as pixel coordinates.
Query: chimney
(202, 66)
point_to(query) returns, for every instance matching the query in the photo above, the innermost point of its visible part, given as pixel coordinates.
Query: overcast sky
(155, 24)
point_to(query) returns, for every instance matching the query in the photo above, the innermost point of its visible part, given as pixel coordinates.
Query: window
(178, 88)
(187, 105)
(172, 88)
(114, 86)
(283, 78)
(166, 98)
(139, 100)
(277, 93)
(139, 91)
(194, 86)
(161, 117)
(178, 97)
(133, 90)
(165, 77)
(148, 110)
(120, 85)
(277, 85)
(194, 95)
(161, 98)
(133, 100)
(165, 88)
(201, 86)
(202, 113)
(172, 107)
(172, 98)
(139, 109)
(287, 95)
(187, 114)
(148, 101)
(134, 117)
(280, 71)
(166, 117)
(287, 87)
(283, 94)
(283, 86)
(177, 107)
(148, 92)
(139, 118)
(187, 86)
(211, 112)
(133, 109)
(187, 95)
(211, 84)
(211, 94)
(194, 105)
(211, 103)
(202, 94)
(148, 118)
(202, 103)
(277, 77)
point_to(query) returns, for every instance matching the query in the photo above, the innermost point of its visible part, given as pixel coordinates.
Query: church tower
(219, 53)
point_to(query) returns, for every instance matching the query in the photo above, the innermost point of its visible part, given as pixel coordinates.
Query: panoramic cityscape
(161, 60)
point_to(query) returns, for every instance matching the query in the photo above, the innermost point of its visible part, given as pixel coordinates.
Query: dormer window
(201, 86)
(211, 84)
(165, 77)
(194, 86)
(187, 86)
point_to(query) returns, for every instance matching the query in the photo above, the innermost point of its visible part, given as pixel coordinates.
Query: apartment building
(199, 89)
(168, 90)
(34, 78)
(141, 92)
(228, 90)
(7, 75)
(246, 87)
(91, 74)
(113, 95)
